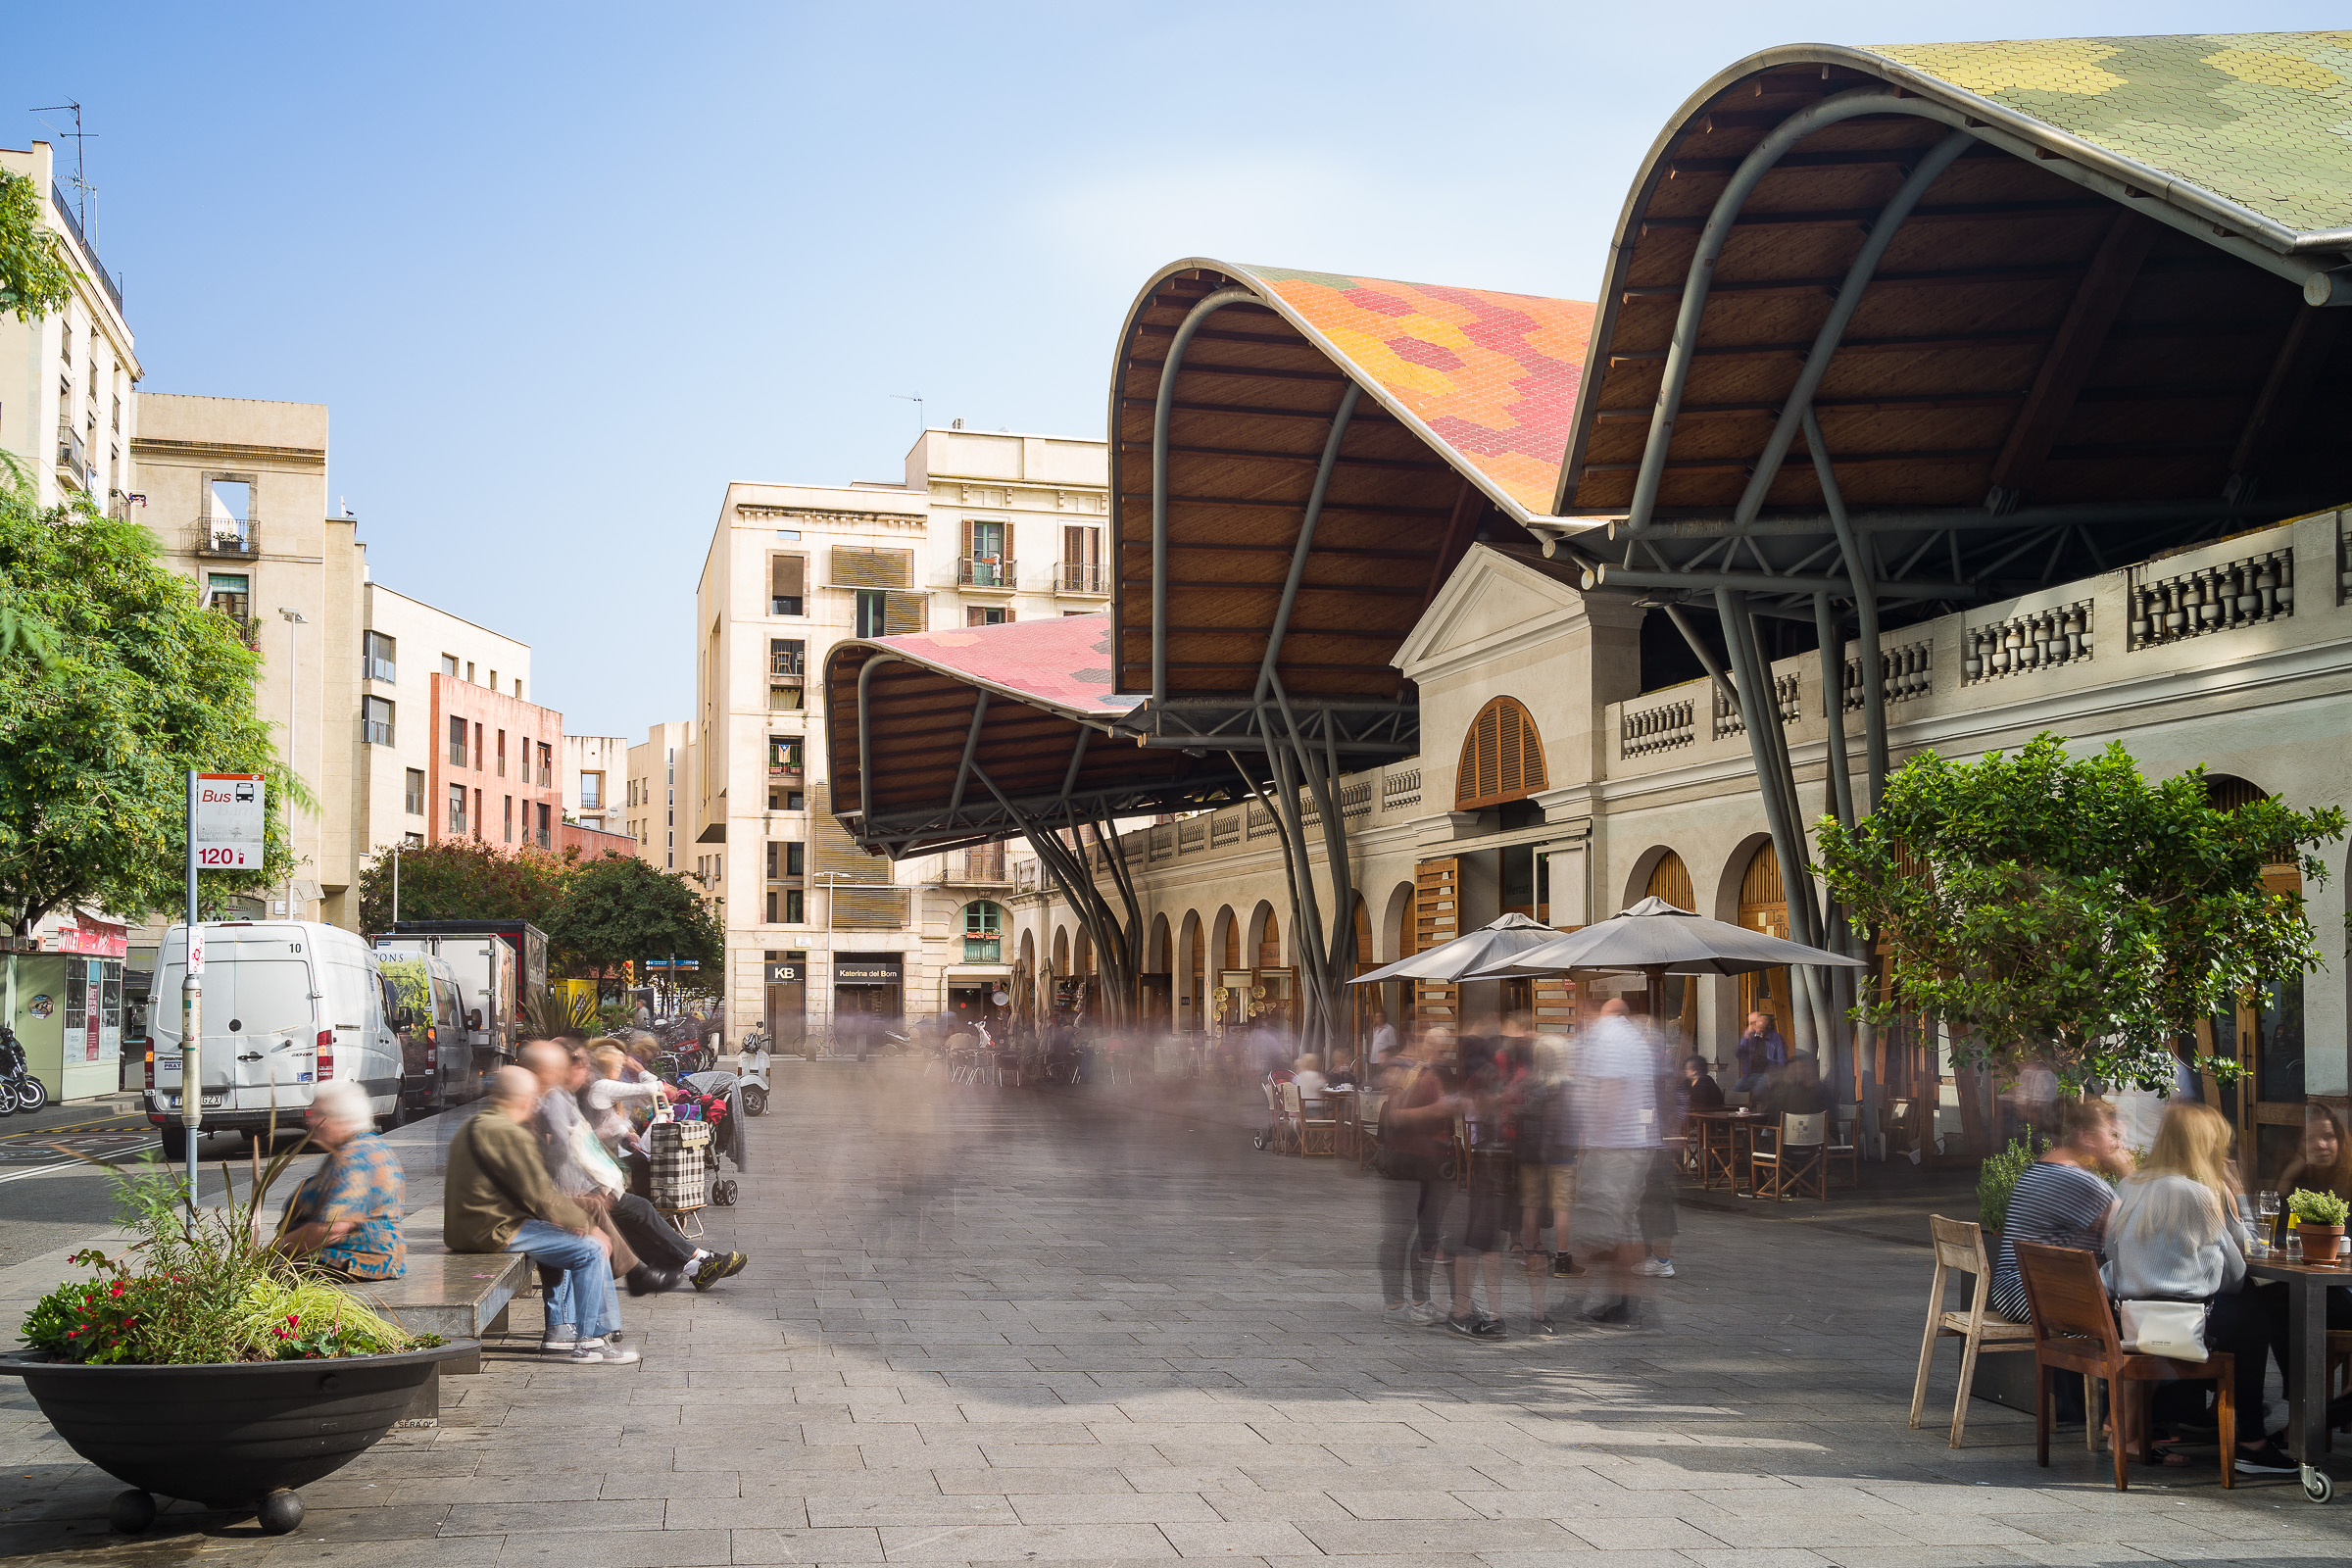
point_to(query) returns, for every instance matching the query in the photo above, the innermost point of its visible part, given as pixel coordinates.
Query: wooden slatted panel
(831, 849)
(1764, 906)
(1670, 880)
(789, 576)
(1437, 919)
(1554, 998)
(863, 566)
(1502, 757)
(870, 909)
(906, 612)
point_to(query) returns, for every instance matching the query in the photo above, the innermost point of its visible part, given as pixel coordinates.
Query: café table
(1720, 1136)
(2307, 1439)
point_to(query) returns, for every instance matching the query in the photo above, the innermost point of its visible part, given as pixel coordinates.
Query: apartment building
(650, 796)
(595, 773)
(982, 528)
(235, 493)
(68, 404)
(407, 650)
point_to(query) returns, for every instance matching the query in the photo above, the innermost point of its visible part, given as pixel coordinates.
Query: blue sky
(562, 271)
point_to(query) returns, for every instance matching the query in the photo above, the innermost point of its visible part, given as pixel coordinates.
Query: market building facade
(1920, 412)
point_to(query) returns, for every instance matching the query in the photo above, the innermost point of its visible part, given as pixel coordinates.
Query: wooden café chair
(1317, 1134)
(1960, 1249)
(1798, 1159)
(1367, 1126)
(2074, 1331)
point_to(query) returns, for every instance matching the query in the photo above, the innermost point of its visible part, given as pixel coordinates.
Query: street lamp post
(832, 880)
(294, 620)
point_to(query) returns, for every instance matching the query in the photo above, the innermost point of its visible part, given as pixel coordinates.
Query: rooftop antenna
(78, 180)
(916, 398)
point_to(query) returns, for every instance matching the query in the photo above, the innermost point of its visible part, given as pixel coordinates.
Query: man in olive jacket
(499, 1200)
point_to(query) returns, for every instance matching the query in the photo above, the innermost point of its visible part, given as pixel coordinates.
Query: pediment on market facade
(1496, 600)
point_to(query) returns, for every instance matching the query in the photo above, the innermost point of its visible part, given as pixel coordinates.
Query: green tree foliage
(466, 879)
(119, 683)
(34, 277)
(2048, 906)
(618, 909)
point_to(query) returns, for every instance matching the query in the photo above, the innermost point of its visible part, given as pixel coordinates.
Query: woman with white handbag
(2178, 1270)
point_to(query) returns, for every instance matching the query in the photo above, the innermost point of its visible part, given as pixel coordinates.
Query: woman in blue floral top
(346, 1217)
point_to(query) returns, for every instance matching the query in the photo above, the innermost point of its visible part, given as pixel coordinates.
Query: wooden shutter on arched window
(1502, 757)
(1670, 880)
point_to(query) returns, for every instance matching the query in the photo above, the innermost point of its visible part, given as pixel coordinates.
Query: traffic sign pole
(191, 1009)
(228, 830)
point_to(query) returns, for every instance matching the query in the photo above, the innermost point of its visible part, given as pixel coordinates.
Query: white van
(287, 1004)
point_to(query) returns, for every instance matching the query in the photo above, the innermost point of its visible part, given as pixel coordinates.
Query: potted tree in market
(203, 1364)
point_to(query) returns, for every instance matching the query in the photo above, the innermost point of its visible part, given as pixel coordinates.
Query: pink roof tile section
(1062, 663)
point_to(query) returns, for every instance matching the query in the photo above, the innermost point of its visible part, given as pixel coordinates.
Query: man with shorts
(1616, 1118)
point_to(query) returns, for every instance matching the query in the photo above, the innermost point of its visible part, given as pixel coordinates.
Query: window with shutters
(906, 612)
(787, 584)
(1502, 757)
(986, 614)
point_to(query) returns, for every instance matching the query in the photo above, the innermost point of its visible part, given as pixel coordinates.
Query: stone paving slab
(1060, 1327)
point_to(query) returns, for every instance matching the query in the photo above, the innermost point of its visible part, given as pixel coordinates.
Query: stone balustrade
(2245, 592)
(1643, 732)
(2040, 639)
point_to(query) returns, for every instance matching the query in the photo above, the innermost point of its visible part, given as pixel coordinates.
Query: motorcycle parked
(751, 1071)
(19, 1090)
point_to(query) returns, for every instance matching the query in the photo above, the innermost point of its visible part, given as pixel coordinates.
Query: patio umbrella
(1484, 948)
(1657, 939)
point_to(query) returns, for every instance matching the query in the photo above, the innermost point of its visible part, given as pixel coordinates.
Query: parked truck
(497, 964)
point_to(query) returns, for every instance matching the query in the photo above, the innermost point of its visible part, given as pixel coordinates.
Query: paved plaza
(1074, 1327)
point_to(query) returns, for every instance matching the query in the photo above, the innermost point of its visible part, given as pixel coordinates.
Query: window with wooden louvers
(1502, 757)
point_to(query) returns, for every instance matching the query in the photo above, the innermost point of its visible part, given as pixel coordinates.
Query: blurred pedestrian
(1417, 1119)
(345, 1218)
(1760, 1050)
(1616, 1120)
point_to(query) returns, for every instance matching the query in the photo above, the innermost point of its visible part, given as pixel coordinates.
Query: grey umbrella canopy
(1484, 948)
(1657, 939)
(1655, 935)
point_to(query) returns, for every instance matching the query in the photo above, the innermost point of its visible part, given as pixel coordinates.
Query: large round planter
(229, 1435)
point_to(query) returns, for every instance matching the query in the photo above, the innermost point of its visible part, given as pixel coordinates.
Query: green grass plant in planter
(202, 1363)
(1997, 1179)
(2319, 1221)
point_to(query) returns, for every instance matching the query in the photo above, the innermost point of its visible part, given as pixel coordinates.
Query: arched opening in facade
(1157, 985)
(1764, 906)
(1192, 965)
(1272, 984)
(1670, 879)
(2263, 1033)
(1502, 757)
(1025, 979)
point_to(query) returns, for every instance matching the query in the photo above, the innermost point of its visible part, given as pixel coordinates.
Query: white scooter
(751, 1071)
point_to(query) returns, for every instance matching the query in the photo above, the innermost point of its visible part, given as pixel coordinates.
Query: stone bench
(458, 1296)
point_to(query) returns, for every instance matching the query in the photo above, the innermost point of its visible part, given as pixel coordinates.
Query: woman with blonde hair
(2175, 1238)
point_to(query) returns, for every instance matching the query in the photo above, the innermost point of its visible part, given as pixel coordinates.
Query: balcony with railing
(227, 539)
(1082, 577)
(72, 455)
(981, 864)
(985, 573)
(2054, 650)
(248, 627)
(375, 732)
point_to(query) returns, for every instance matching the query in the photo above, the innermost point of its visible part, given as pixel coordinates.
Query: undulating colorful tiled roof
(1492, 376)
(2262, 120)
(1059, 663)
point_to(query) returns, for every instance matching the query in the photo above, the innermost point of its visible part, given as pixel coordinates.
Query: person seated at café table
(1761, 1048)
(2323, 1164)
(1705, 1093)
(1307, 1073)
(2062, 1198)
(1343, 1068)
(346, 1217)
(2174, 1238)
(1798, 1092)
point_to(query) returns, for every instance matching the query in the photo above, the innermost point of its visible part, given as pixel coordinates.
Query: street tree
(618, 909)
(466, 879)
(2046, 905)
(35, 278)
(118, 683)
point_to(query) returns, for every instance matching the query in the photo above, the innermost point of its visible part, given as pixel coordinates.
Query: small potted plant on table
(202, 1363)
(2319, 1221)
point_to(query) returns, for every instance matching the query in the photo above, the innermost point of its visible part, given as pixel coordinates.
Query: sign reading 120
(206, 855)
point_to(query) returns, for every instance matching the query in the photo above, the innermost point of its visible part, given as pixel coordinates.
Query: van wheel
(397, 1116)
(175, 1142)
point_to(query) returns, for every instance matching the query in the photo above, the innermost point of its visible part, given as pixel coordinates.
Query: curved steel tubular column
(971, 747)
(1833, 688)
(1759, 711)
(865, 738)
(1306, 537)
(1232, 294)
(1798, 404)
(1866, 612)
